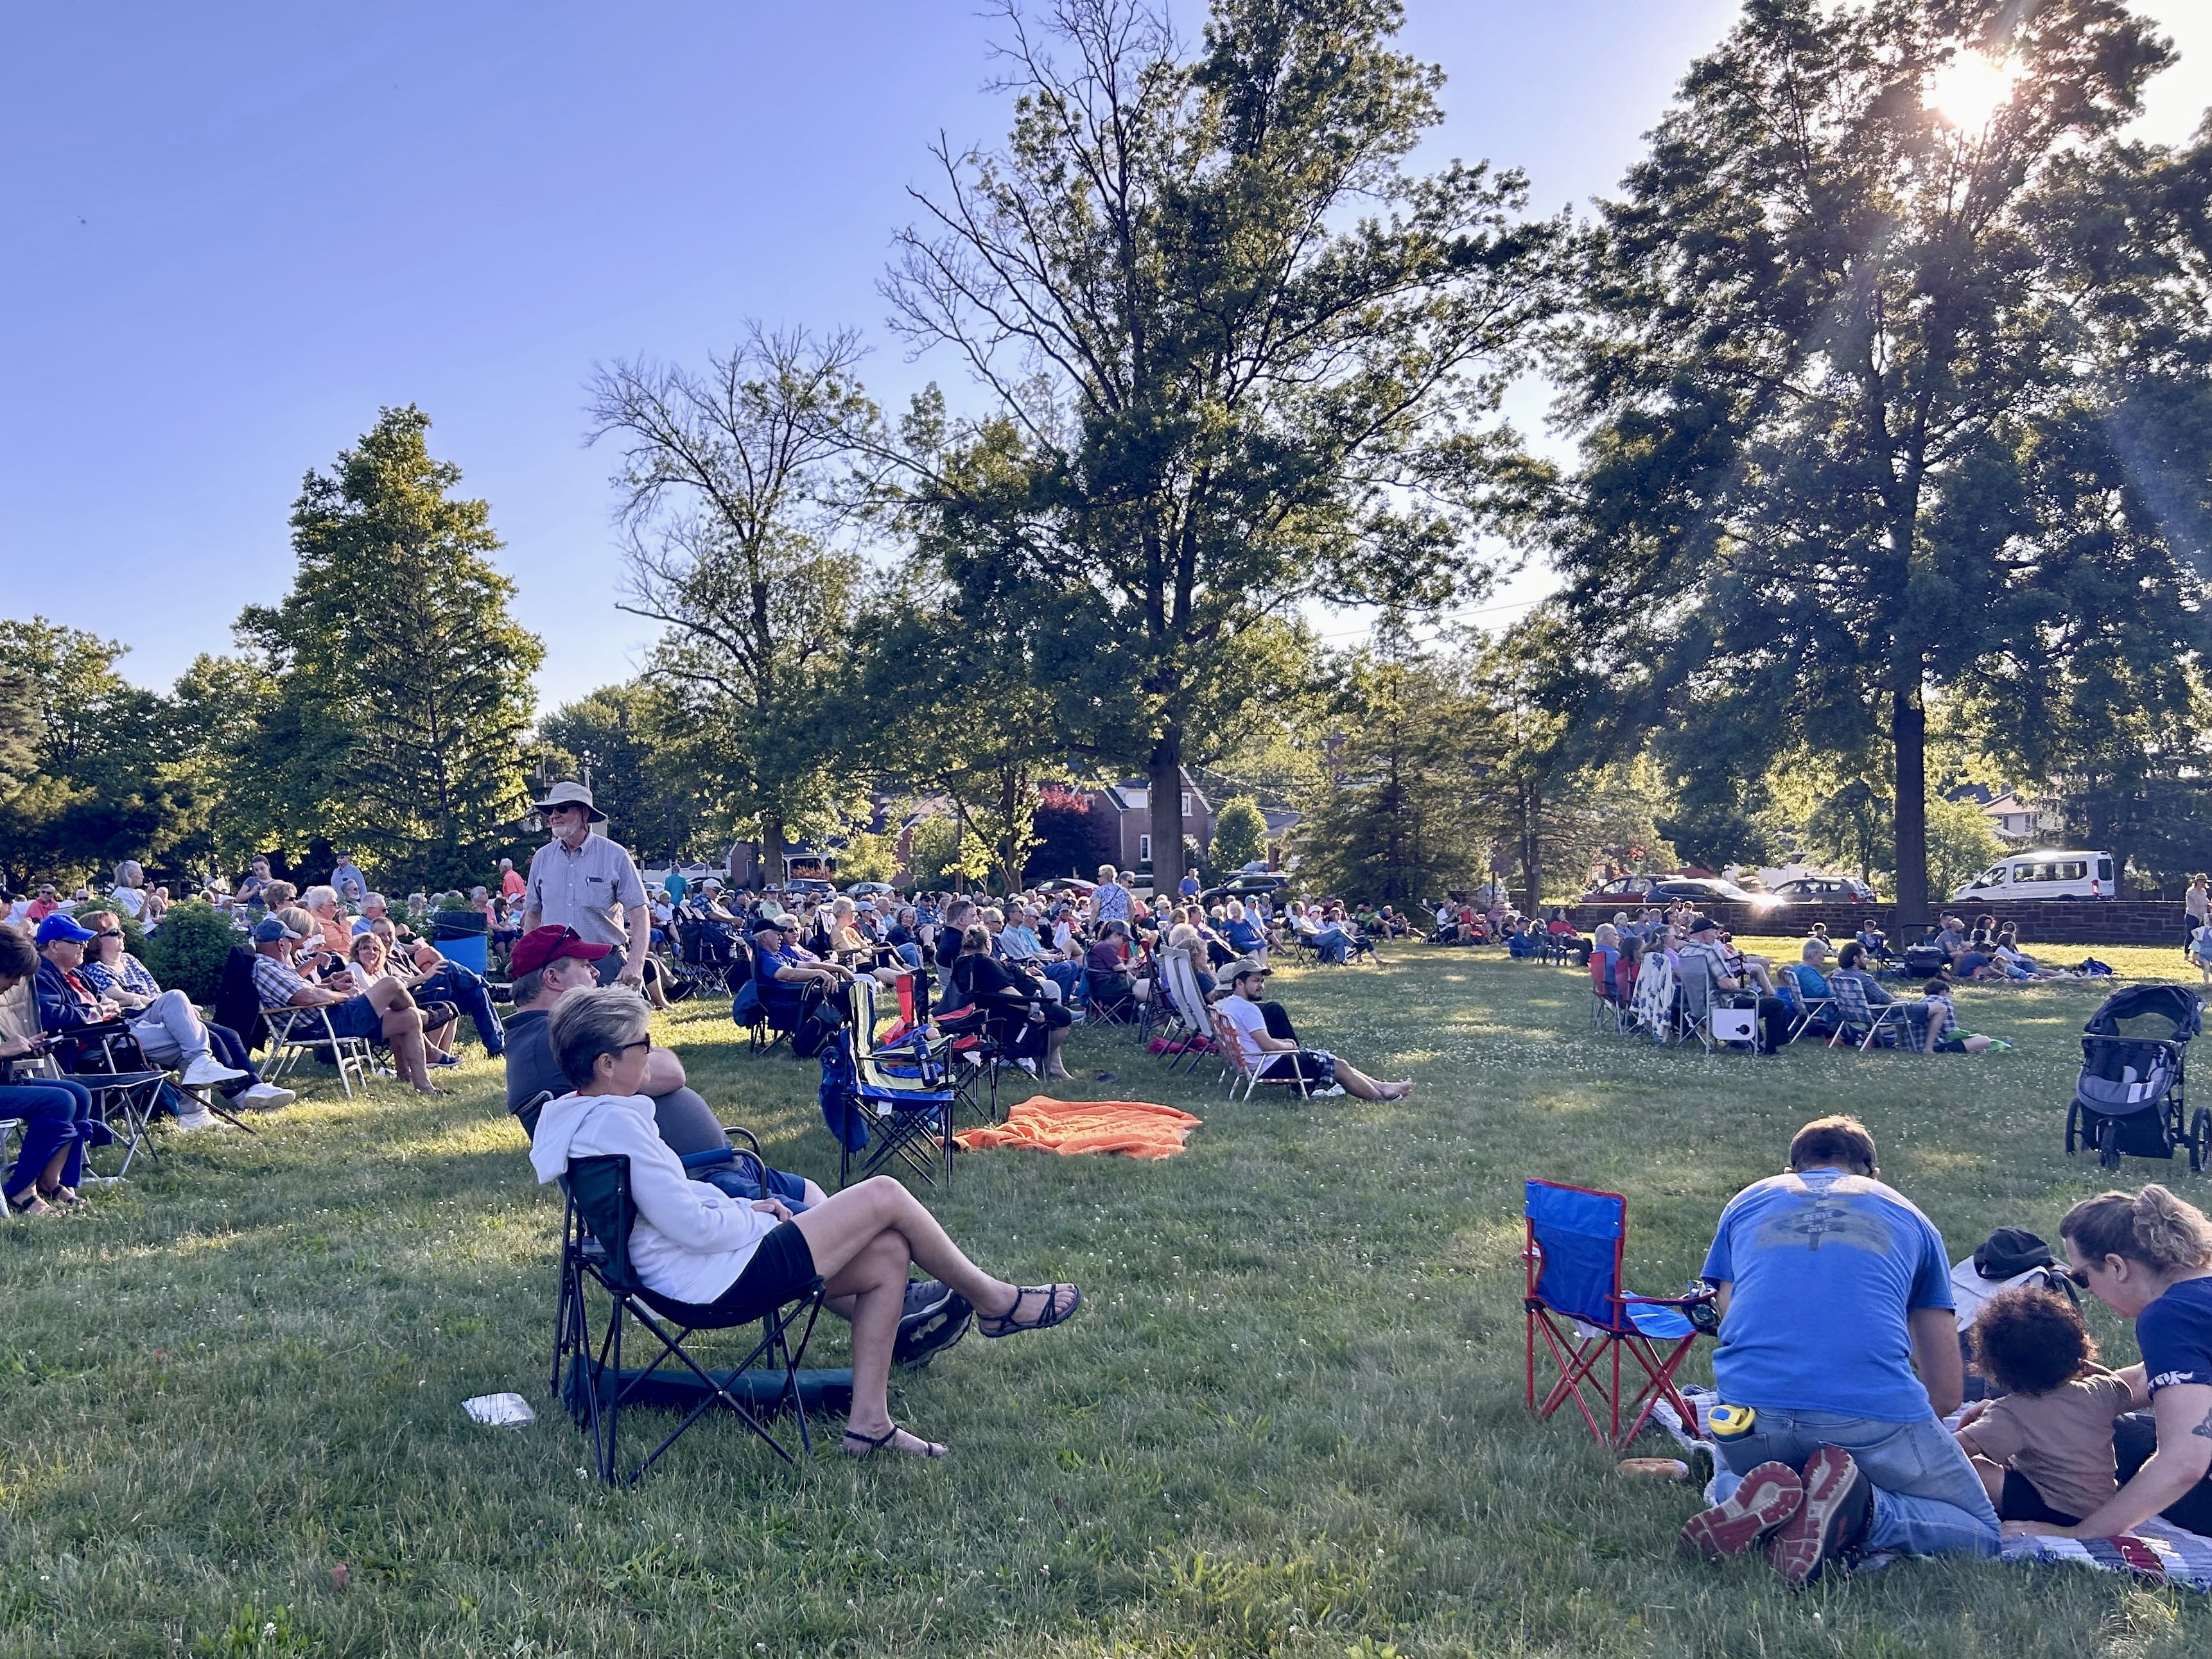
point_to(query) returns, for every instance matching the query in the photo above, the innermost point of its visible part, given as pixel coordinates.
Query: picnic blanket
(2156, 1550)
(1073, 1127)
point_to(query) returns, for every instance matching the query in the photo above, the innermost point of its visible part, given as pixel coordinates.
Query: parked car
(1826, 889)
(1701, 889)
(1073, 886)
(867, 890)
(2047, 874)
(1626, 892)
(1622, 891)
(800, 886)
(1248, 886)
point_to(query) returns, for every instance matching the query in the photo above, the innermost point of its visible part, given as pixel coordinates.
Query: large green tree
(401, 681)
(1251, 358)
(1884, 344)
(86, 772)
(729, 501)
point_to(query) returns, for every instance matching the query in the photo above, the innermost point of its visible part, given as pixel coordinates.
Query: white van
(2041, 875)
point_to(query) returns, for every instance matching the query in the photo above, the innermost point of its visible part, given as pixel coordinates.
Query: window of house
(1144, 849)
(1186, 802)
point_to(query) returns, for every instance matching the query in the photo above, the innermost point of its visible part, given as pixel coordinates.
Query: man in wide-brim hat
(588, 882)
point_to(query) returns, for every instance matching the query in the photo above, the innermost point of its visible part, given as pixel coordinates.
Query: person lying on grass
(2044, 1448)
(1834, 1291)
(1264, 1033)
(694, 1244)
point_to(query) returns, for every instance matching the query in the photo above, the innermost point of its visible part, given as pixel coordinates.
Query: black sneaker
(933, 1321)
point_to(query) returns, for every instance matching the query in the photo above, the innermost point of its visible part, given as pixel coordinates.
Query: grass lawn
(1288, 1421)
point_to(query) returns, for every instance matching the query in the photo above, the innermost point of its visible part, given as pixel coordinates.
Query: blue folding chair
(1578, 1241)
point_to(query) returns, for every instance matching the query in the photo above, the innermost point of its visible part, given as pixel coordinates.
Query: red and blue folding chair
(1578, 1242)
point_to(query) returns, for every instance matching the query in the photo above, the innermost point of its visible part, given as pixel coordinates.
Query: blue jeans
(1333, 944)
(1927, 1499)
(1069, 976)
(465, 988)
(56, 1113)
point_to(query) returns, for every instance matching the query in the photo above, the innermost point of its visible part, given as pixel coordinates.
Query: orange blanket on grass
(1072, 1127)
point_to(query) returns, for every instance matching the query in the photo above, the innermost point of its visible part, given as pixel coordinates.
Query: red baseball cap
(543, 944)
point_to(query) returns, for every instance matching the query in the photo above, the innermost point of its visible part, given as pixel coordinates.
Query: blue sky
(233, 232)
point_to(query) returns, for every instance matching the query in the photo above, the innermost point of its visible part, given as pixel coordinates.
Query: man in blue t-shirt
(1833, 1288)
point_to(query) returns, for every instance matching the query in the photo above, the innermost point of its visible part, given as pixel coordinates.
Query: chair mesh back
(1578, 1235)
(599, 1189)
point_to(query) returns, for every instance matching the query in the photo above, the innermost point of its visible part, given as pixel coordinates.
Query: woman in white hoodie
(695, 1244)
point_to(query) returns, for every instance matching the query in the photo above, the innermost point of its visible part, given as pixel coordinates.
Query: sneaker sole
(1770, 1496)
(1814, 1535)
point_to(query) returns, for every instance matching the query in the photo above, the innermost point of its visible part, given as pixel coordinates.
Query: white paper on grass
(509, 1411)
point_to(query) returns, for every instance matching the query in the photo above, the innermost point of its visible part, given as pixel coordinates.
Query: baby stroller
(2130, 1099)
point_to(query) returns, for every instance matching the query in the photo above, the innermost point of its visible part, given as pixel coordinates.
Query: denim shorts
(357, 1016)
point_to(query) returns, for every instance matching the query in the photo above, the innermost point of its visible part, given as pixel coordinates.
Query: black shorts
(2021, 1501)
(782, 1267)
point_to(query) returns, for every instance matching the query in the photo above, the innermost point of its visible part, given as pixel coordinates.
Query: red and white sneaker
(1768, 1496)
(1831, 1522)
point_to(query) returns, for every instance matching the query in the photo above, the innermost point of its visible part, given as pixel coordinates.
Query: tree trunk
(1908, 728)
(1165, 774)
(1532, 852)
(772, 845)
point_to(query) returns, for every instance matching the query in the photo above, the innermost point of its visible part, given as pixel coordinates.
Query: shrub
(187, 950)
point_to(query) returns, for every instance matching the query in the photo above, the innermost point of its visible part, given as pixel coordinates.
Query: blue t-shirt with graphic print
(2175, 1335)
(1824, 1267)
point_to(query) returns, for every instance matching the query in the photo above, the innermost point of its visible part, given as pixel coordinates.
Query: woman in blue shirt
(2148, 1256)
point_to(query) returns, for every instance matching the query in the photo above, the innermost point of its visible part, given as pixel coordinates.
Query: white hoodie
(691, 1240)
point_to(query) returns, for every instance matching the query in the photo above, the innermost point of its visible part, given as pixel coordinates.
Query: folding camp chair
(595, 1251)
(1807, 1010)
(1576, 1245)
(1179, 979)
(125, 1087)
(1864, 1026)
(904, 1093)
(1606, 1013)
(1235, 1069)
(297, 1034)
(11, 1129)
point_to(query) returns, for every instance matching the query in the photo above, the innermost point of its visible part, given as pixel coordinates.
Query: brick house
(1129, 808)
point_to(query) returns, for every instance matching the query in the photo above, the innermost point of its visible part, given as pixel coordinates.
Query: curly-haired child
(2044, 1448)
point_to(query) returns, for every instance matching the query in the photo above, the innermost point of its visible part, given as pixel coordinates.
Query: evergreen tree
(401, 678)
(1408, 813)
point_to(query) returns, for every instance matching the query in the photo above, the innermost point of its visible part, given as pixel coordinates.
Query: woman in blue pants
(56, 1113)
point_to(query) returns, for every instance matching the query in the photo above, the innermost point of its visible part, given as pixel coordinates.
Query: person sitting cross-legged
(695, 1244)
(1264, 1034)
(549, 962)
(386, 1010)
(1834, 1291)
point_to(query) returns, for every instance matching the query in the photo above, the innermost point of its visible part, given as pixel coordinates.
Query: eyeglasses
(642, 1043)
(2078, 1276)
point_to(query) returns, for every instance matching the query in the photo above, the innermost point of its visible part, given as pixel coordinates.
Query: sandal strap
(1050, 1315)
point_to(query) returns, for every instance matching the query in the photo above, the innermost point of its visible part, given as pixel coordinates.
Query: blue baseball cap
(58, 926)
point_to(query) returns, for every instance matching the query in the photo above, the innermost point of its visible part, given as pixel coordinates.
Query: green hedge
(187, 950)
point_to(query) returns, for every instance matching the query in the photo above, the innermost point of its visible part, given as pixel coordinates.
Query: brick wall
(2044, 921)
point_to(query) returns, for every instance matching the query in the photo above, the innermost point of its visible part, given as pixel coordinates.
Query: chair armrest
(735, 1130)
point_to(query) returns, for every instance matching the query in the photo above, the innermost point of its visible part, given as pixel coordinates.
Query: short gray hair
(315, 895)
(589, 1022)
(367, 899)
